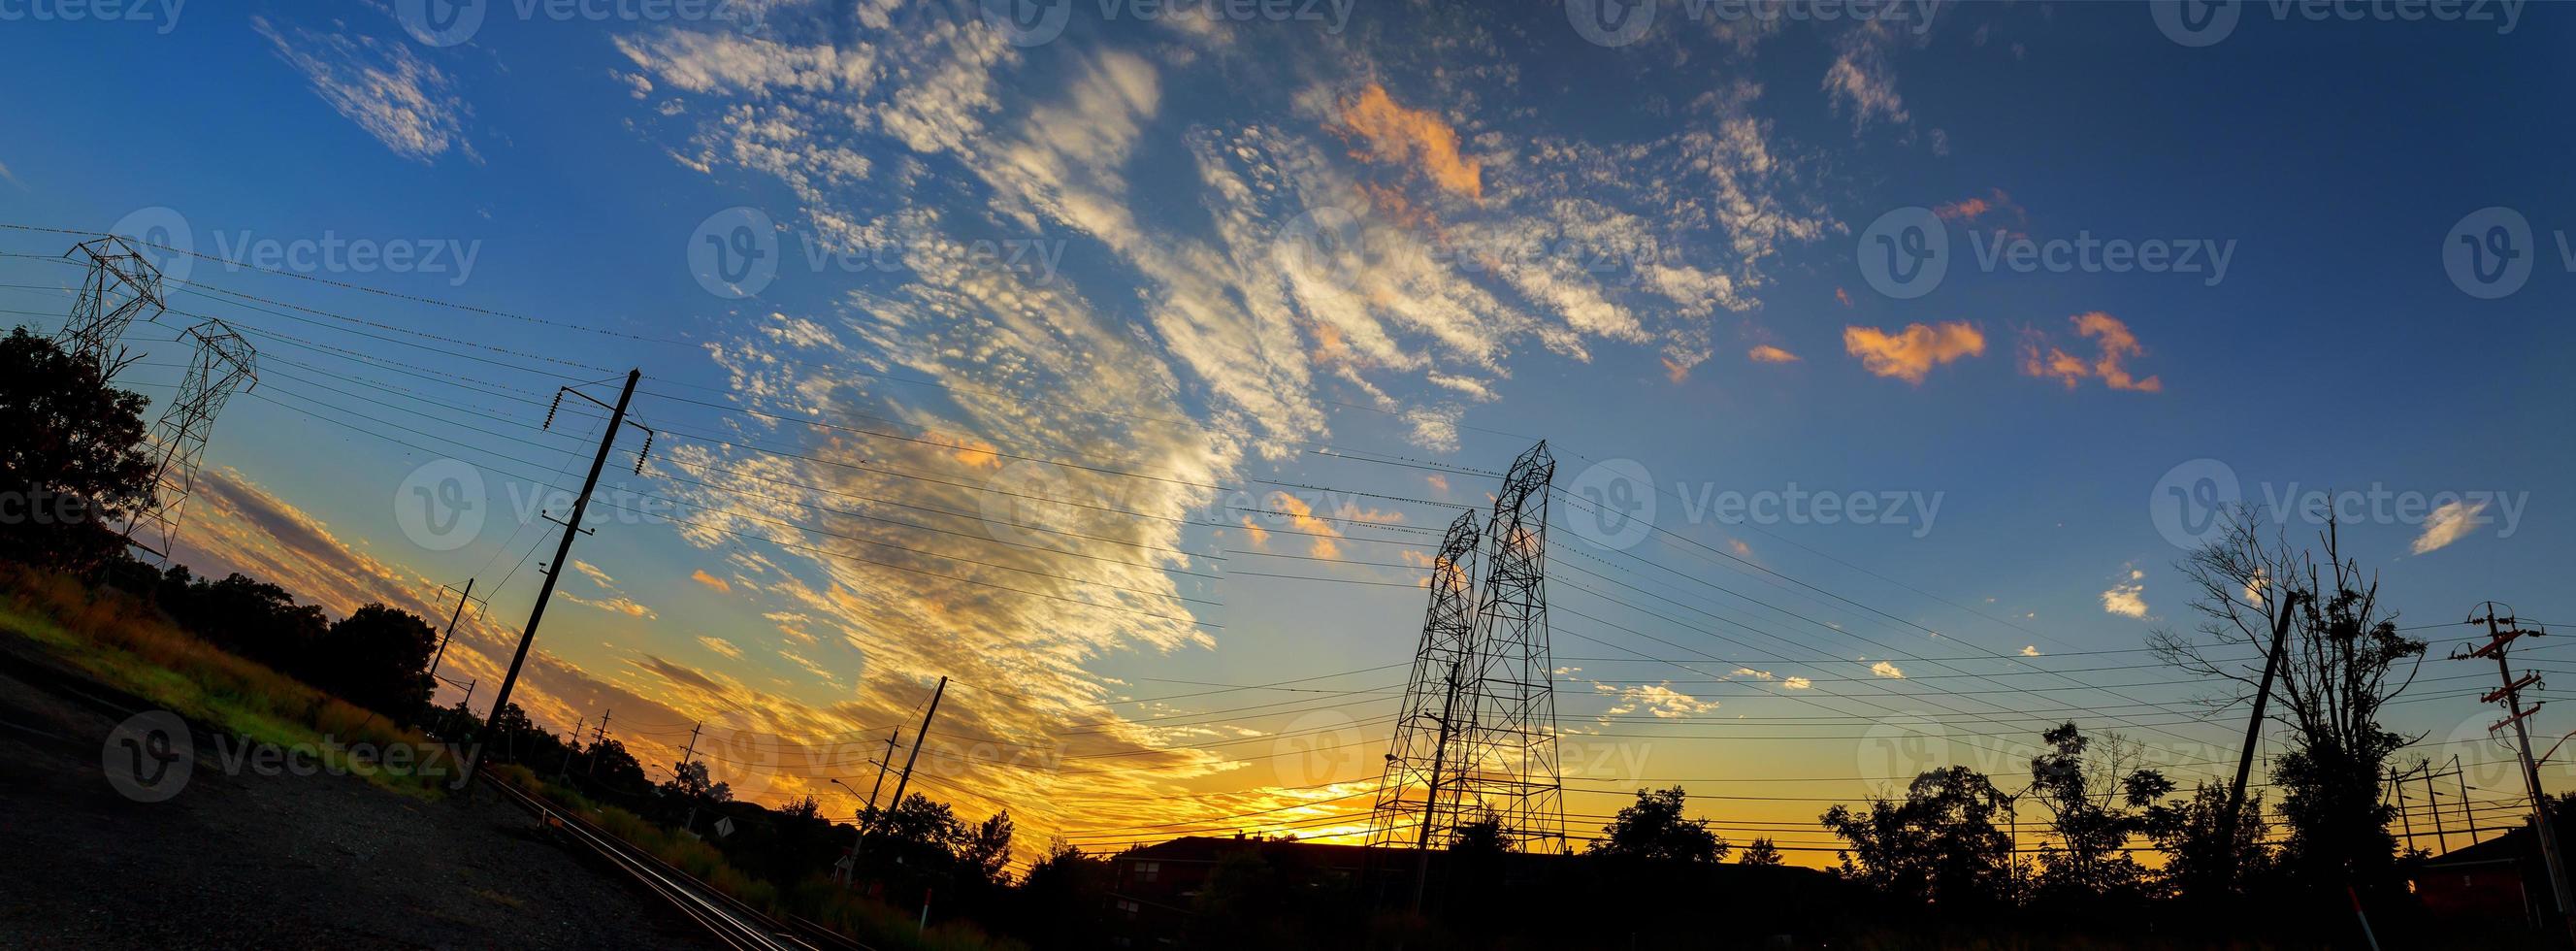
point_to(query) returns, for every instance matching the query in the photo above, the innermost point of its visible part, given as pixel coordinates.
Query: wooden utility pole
(2466, 813)
(571, 748)
(693, 743)
(2498, 637)
(884, 763)
(2254, 726)
(2433, 804)
(593, 768)
(906, 778)
(1431, 795)
(2405, 816)
(563, 549)
(461, 598)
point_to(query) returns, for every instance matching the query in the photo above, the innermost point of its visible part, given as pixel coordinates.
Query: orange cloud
(2114, 344)
(1675, 370)
(1971, 209)
(1767, 353)
(1398, 135)
(1302, 515)
(1912, 353)
(1842, 296)
(702, 577)
(968, 450)
(1255, 535)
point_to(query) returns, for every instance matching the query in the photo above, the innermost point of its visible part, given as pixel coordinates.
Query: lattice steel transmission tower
(1417, 795)
(1477, 739)
(120, 286)
(1510, 733)
(222, 362)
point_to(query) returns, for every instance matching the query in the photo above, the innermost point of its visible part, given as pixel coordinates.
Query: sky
(1123, 362)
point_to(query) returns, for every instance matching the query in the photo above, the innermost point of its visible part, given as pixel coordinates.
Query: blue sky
(1652, 251)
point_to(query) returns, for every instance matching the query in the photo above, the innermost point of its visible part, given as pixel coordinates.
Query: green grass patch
(130, 646)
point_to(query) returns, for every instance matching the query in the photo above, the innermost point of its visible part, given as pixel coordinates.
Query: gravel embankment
(283, 861)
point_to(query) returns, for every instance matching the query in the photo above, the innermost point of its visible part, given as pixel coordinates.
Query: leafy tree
(985, 852)
(690, 782)
(252, 618)
(1759, 852)
(609, 765)
(1939, 845)
(805, 808)
(2096, 811)
(377, 658)
(73, 458)
(1484, 835)
(2201, 860)
(1064, 895)
(2342, 660)
(1653, 827)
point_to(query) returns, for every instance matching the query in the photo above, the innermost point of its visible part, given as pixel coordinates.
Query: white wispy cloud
(2450, 523)
(382, 85)
(2127, 597)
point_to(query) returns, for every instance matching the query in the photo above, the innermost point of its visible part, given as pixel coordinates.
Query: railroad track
(733, 923)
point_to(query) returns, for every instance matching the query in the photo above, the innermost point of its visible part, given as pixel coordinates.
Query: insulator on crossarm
(550, 410)
(646, 451)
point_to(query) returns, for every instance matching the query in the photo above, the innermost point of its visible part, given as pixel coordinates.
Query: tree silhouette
(2096, 811)
(1759, 852)
(2199, 857)
(1653, 828)
(1481, 836)
(72, 459)
(2341, 662)
(1938, 845)
(378, 658)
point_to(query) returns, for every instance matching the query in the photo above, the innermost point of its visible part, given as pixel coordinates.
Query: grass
(129, 645)
(817, 899)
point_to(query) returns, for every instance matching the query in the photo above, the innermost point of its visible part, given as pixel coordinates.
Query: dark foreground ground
(273, 861)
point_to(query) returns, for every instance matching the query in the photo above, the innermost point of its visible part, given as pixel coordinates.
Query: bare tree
(2341, 662)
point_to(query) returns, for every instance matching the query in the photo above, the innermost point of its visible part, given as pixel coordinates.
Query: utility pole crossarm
(2499, 636)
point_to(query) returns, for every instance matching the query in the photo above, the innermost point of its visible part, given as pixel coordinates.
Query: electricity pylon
(221, 361)
(1477, 738)
(1509, 733)
(1417, 795)
(120, 286)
